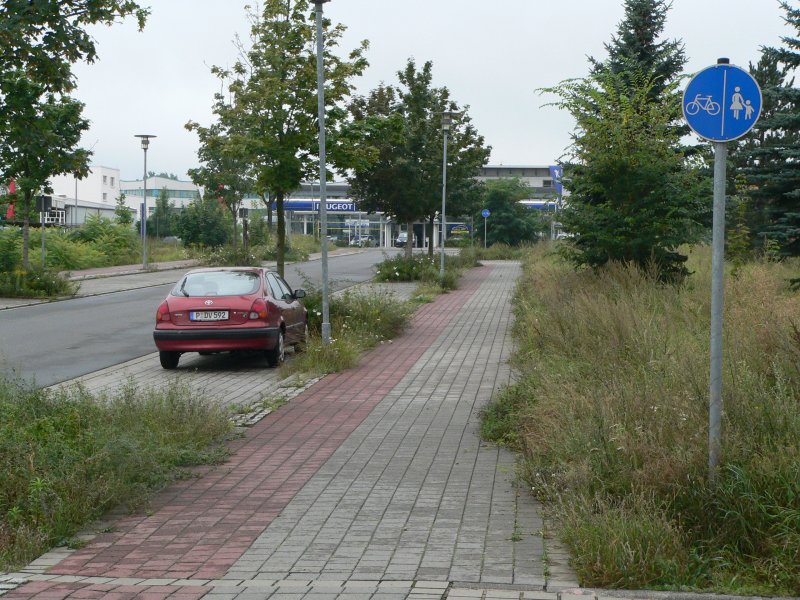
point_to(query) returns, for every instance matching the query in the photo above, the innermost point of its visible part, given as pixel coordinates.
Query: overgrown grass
(611, 410)
(360, 320)
(502, 252)
(67, 457)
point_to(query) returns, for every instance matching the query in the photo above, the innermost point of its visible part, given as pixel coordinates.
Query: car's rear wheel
(276, 355)
(169, 360)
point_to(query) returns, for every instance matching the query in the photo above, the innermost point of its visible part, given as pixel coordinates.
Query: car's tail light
(162, 314)
(259, 310)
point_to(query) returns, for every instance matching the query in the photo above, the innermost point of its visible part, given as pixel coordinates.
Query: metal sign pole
(323, 207)
(717, 299)
(720, 104)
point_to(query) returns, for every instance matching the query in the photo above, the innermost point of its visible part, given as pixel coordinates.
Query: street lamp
(145, 145)
(447, 120)
(323, 208)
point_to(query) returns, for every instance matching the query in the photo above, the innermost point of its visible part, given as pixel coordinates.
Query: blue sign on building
(722, 103)
(556, 171)
(347, 206)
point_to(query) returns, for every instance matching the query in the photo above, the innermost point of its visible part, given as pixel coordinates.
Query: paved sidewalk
(371, 483)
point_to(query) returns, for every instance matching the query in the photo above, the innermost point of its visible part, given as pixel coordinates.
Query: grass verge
(67, 457)
(611, 408)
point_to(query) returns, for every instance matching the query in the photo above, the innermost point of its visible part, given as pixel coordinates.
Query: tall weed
(614, 367)
(66, 456)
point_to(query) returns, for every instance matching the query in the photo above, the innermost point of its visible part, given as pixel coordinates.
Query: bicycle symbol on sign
(701, 102)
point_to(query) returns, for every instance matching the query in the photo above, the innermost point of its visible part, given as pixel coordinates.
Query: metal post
(144, 211)
(41, 219)
(717, 297)
(76, 203)
(446, 127)
(145, 145)
(323, 209)
(484, 232)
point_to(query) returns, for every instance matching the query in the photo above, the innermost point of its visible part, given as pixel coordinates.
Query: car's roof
(232, 269)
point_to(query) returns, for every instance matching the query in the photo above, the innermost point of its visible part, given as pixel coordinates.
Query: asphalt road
(57, 341)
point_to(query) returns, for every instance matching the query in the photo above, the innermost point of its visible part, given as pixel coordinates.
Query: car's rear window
(217, 283)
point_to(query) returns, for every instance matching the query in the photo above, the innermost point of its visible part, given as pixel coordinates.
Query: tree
(396, 141)
(227, 170)
(636, 48)
(274, 98)
(39, 134)
(511, 223)
(633, 197)
(769, 155)
(122, 213)
(163, 221)
(43, 39)
(163, 175)
(40, 126)
(202, 223)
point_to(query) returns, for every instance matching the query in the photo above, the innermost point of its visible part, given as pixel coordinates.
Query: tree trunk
(281, 245)
(235, 227)
(430, 237)
(409, 238)
(268, 201)
(26, 228)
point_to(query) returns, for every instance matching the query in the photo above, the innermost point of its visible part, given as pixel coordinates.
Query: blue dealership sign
(556, 172)
(722, 103)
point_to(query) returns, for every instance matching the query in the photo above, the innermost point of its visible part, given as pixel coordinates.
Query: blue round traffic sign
(485, 213)
(722, 103)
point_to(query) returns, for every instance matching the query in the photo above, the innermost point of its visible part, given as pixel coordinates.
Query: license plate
(208, 315)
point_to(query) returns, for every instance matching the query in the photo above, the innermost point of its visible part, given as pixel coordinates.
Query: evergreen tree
(771, 154)
(633, 199)
(636, 48)
(122, 213)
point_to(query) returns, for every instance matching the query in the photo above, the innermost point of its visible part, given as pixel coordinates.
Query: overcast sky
(492, 55)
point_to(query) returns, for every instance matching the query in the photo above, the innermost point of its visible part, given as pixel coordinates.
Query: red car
(227, 309)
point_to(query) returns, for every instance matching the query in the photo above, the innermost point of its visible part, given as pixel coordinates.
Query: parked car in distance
(229, 309)
(402, 239)
(364, 241)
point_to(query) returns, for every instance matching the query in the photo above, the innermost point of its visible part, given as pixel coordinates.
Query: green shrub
(67, 457)
(228, 256)
(35, 283)
(10, 249)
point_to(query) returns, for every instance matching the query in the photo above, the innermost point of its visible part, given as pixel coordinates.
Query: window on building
(112, 182)
(105, 197)
(105, 179)
(547, 183)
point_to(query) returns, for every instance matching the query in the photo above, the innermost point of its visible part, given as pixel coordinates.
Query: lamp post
(447, 120)
(145, 145)
(323, 209)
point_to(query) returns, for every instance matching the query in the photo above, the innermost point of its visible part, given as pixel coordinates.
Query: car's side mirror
(299, 293)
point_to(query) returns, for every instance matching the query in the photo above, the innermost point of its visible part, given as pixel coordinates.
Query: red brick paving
(199, 527)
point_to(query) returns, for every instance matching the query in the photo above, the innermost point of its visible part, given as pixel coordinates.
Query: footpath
(370, 484)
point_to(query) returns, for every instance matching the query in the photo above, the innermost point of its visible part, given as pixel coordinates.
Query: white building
(537, 177)
(180, 193)
(100, 186)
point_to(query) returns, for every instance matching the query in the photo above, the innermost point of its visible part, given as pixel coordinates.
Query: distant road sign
(485, 213)
(722, 103)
